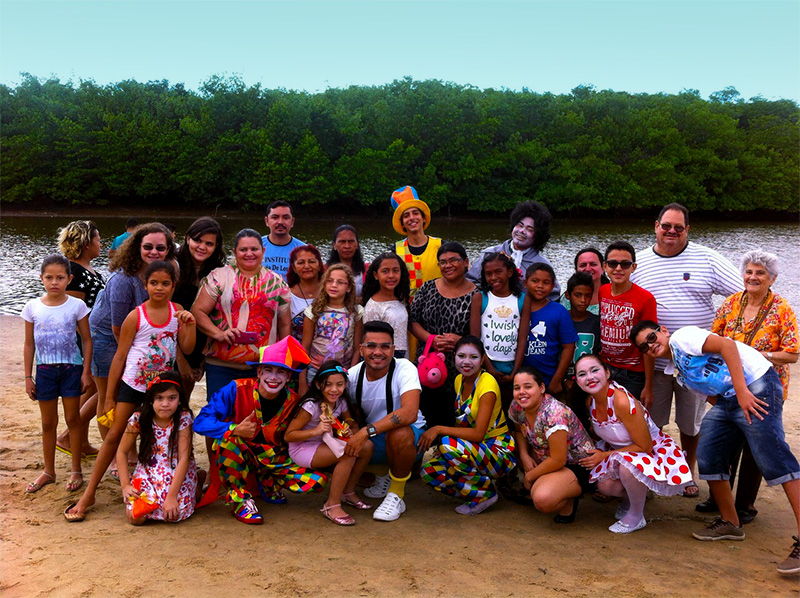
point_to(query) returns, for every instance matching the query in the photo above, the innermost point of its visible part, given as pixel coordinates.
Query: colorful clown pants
(468, 469)
(271, 465)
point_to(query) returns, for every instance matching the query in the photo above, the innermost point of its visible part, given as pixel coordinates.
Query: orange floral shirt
(778, 331)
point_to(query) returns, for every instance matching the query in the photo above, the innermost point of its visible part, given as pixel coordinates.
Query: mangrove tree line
(241, 146)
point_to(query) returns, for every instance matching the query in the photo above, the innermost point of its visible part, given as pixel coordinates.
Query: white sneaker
(379, 488)
(390, 509)
(470, 509)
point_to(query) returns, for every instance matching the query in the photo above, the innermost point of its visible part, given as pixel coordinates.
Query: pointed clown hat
(403, 199)
(287, 353)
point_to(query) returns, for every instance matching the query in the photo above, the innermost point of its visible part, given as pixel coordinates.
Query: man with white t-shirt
(386, 391)
(683, 277)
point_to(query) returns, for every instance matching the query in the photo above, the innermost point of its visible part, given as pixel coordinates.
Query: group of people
(519, 389)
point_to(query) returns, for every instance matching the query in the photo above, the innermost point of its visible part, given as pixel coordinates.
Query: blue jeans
(724, 430)
(104, 346)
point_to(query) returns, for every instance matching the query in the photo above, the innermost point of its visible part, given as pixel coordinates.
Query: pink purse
(430, 366)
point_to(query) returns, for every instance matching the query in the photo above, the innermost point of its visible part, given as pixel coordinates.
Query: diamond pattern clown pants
(271, 465)
(468, 469)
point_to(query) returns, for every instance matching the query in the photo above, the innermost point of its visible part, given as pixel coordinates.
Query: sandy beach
(510, 550)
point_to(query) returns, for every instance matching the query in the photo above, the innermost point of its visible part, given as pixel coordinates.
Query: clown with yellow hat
(247, 420)
(411, 217)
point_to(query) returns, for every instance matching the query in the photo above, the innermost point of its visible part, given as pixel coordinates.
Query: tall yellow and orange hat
(286, 353)
(403, 199)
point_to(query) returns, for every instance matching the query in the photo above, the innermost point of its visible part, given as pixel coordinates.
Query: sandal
(351, 498)
(73, 517)
(691, 491)
(36, 485)
(73, 484)
(346, 520)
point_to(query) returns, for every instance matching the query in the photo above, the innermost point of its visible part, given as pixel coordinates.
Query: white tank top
(153, 349)
(500, 326)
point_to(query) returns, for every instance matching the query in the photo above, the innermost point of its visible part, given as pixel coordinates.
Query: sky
(641, 46)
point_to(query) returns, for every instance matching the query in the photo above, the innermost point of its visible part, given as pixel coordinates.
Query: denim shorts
(58, 380)
(379, 441)
(724, 430)
(104, 346)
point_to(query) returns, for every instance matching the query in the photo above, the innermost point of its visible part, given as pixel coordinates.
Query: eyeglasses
(666, 227)
(381, 346)
(625, 264)
(645, 346)
(451, 262)
(158, 248)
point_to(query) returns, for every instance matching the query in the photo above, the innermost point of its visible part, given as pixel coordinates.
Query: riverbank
(510, 550)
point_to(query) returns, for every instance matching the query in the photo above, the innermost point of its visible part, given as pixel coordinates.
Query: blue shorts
(379, 441)
(104, 346)
(58, 380)
(724, 430)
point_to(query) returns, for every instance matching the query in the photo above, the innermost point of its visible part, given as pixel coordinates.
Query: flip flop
(66, 451)
(73, 517)
(35, 486)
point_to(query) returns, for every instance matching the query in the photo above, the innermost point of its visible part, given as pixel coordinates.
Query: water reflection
(25, 241)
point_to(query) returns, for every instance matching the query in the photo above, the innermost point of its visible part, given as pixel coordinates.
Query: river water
(26, 240)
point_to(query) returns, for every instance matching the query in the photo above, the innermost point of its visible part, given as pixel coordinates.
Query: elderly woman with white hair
(761, 318)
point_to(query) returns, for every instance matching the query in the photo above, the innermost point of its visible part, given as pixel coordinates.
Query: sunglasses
(158, 248)
(645, 346)
(666, 227)
(626, 264)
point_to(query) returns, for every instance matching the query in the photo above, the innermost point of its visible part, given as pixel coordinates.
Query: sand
(509, 550)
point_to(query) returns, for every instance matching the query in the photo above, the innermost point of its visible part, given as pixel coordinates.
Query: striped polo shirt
(684, 284)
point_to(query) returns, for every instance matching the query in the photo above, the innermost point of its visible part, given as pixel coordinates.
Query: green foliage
(462, 148)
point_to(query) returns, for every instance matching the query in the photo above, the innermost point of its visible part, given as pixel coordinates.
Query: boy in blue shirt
(550, 342)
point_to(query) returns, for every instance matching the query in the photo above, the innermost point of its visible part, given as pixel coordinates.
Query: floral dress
(552, 416)
(665, 471)
(156, 476)
(249, 304)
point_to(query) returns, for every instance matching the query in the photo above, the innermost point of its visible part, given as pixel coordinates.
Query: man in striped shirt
(682, 276)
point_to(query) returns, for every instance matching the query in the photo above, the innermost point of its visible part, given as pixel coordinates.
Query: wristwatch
(371, 431)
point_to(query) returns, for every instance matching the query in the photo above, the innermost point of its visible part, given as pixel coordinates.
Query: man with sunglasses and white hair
(683, 277)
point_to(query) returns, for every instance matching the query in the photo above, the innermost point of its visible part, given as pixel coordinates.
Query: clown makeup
(523, 233)
(590, 375)
(271, 380)
(468, 360)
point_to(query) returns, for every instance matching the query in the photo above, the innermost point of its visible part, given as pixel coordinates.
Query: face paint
(468, 360)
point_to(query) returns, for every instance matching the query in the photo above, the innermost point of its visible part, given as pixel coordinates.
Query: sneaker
(622, 528)
(719, 530)
(246, 512)
(473, 509)
(379, 488)
(390, 509)
(791, 566)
